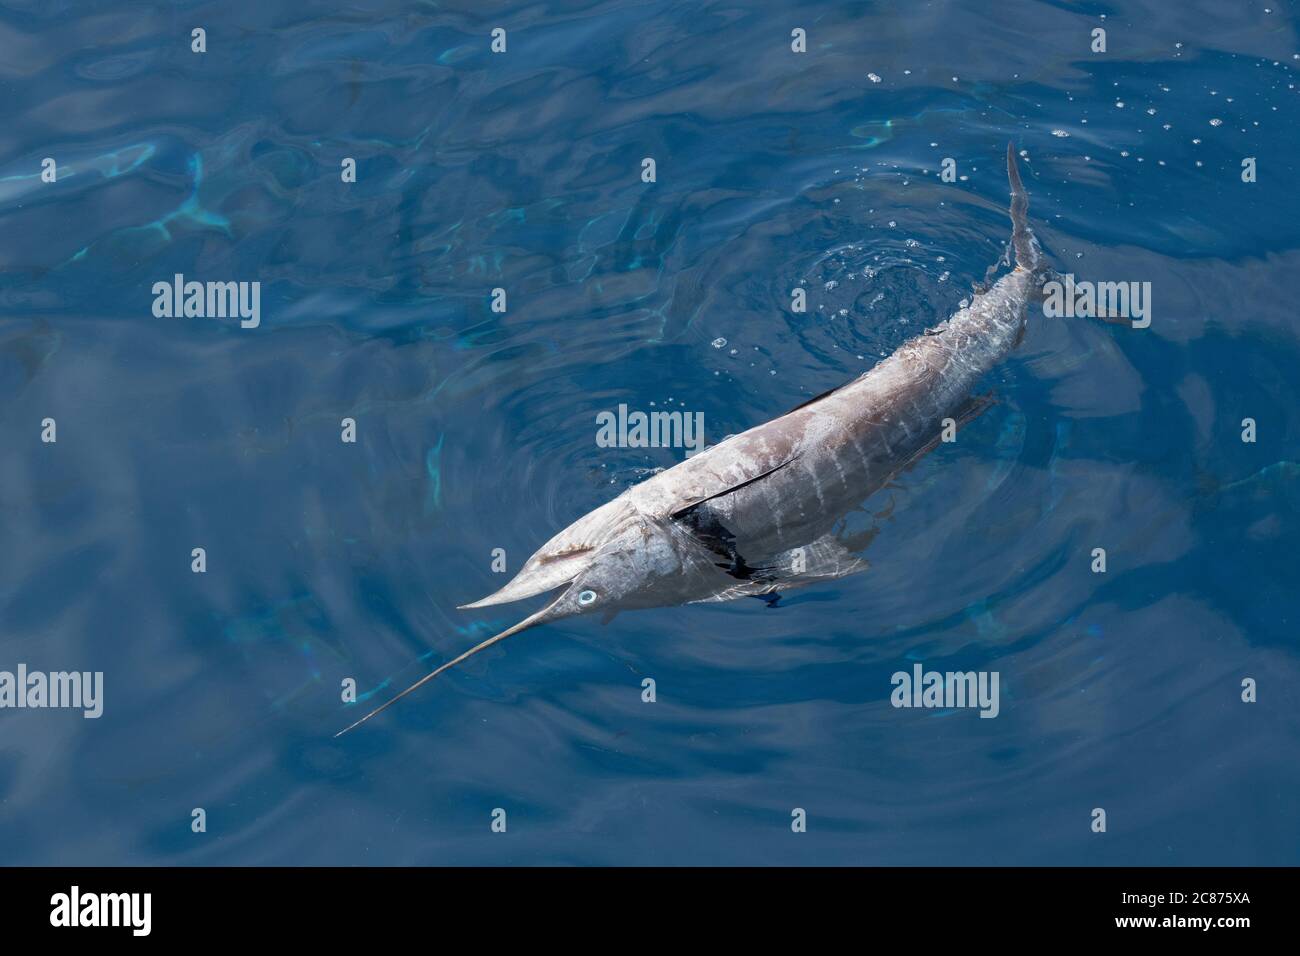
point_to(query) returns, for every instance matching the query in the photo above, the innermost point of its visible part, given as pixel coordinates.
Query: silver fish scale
(851, 442)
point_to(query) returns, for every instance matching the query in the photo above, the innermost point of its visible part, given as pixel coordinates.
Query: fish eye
(586, 597)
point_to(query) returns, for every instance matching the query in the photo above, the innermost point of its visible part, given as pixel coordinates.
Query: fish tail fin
(1028, 253)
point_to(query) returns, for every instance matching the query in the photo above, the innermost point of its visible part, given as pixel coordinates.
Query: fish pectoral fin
(706, 531)
(738, 590)
(824, 559)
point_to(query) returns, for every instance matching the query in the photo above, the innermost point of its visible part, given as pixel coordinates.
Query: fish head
(638, 562)
(565, 556)
(643, 563)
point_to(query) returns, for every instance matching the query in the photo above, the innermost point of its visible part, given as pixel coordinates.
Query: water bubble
(719, 342)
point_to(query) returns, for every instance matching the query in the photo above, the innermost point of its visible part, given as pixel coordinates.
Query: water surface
(476, 430)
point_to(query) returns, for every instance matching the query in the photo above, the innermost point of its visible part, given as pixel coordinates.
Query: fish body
(756, 513)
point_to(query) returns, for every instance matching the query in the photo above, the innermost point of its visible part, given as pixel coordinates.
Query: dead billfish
(755, 513)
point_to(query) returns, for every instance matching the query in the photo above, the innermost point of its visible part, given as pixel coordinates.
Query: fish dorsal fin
(685, 508)
(825, 394)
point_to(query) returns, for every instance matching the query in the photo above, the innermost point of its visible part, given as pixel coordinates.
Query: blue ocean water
(476, 429)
